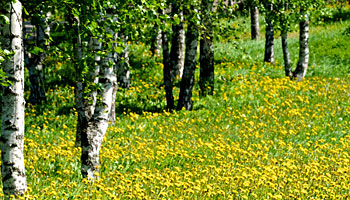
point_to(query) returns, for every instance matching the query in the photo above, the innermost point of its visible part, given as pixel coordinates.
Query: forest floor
(260, 136)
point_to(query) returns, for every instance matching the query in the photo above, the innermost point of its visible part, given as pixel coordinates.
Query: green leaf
(36, 50)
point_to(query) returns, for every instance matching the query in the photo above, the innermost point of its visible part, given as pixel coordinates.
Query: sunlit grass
(257, 137)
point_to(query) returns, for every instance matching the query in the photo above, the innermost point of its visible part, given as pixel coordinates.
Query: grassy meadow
(260, 136)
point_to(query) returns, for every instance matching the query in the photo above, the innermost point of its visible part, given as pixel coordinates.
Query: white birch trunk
(177, 52)
(112, 58)
(301, 69)
(13, 104)
(97, 125)
(286, 54)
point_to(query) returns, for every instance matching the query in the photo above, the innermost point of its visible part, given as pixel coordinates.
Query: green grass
(329, 50)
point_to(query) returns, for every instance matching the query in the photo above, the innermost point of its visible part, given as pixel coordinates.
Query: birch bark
(13, 104)
(156, 43)
(177, 52)
(97, 126)
(187, 81)
(254, 18)
(286, 55)
(301, 69)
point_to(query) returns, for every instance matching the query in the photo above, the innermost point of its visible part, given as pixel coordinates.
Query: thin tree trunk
(167, 77)
(123, 73)
(13, 105)
(177, 52)
(187, 81)
(286, 55)
(206, 59)
(112, 111)
(112, 56)
(301, 69)
(269, 44)
(79, 89)
(255, 27)
(156, 43)
(34, 61)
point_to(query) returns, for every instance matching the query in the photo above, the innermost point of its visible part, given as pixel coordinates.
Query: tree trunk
(178, 42)
(123, 73)
(34, 61)
(301, 69)
(112, 56)
(112, 111)
(84, 113)
(13, 105)
(156, 43)
(167, 77)
(187, 81)
(286, 55)
(254, 17)
(269, 44)
(91, 141)
(206, 59)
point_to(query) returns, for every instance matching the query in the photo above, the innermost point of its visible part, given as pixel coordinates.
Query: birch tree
(177, 51)
(303, 62)
(254, 19)
(13, 104)
(284, 18)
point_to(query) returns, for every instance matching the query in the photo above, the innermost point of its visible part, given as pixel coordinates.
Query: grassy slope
(260, 136)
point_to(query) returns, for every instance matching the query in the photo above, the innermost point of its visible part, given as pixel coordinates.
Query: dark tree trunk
(34, 62)
(206, 59)
(269, 43)
(178, 42)
(254, 17)
(123, 72)
(187, 81)
(167, 75)
(79, 88)
(301, 69)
